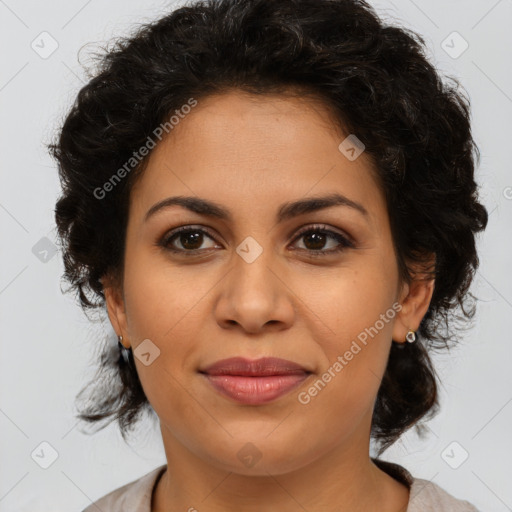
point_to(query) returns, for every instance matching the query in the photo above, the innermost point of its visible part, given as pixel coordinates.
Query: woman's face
(250, 284)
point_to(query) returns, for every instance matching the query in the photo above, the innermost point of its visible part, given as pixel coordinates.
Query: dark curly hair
(378, 83)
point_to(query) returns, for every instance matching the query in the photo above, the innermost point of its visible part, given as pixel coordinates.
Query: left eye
(315, 238)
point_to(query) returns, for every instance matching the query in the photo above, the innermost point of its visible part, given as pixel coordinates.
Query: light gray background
(47, 343)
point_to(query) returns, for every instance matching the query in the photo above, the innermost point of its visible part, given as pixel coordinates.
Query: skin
(251, 154)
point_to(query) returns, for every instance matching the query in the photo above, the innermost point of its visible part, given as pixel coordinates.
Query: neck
(345, 479)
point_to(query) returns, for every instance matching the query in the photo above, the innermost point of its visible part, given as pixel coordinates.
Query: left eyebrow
(286, 211)
(312, 204)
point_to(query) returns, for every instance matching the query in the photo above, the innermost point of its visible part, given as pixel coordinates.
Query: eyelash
(317, 228)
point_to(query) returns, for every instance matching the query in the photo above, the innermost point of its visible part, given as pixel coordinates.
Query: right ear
(114, 300)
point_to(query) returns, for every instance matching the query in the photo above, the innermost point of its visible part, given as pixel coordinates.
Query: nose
(255, 297)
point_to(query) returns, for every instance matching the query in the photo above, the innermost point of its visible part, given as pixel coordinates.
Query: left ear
(415, 300)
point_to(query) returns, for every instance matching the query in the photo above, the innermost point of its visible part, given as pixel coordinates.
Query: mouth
(254, 382)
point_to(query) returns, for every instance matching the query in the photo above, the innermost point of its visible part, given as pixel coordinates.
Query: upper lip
(264, 366)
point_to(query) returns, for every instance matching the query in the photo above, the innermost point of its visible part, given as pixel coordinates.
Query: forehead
(238, 147)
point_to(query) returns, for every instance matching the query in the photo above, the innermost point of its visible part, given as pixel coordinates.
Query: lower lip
(255, 390)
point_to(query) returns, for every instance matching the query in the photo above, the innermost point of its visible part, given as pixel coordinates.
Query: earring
(411, 336)
(123, 351)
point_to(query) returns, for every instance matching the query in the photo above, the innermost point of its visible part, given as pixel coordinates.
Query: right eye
(189, 237)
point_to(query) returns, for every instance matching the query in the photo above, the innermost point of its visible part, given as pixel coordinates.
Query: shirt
(424, 496)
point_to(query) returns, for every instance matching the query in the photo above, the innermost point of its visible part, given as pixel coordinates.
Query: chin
(263, 457)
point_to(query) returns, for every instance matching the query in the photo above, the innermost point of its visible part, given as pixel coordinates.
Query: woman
(275, 204)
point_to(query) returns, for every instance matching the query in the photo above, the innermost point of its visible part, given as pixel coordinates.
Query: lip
(255, 382)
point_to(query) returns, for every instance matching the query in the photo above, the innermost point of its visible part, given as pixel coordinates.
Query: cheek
(165, 308)
(354, 317)
(342, 395)
(351, 304)
(161, 299)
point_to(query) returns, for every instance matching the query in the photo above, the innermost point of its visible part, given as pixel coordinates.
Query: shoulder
(428, 496)
(424, 495)
(135, 495)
